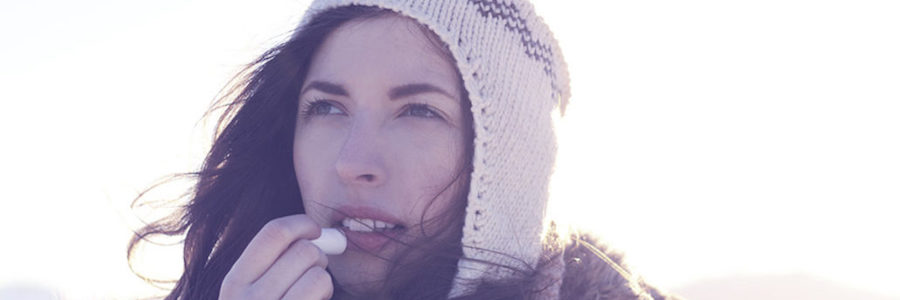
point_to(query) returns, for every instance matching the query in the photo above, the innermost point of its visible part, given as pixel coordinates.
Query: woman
(421, 129)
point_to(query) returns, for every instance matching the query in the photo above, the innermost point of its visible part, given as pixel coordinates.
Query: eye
(321, 108)
(421, 111)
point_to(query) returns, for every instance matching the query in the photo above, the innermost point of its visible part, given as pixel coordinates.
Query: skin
(390, 137)
(374, 147)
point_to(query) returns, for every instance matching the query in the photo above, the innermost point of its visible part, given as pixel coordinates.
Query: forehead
(386, 47)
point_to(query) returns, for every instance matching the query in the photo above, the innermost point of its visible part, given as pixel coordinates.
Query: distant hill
(778, 287)
(28, 291)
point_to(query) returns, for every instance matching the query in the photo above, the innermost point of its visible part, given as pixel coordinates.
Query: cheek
(315, 146)
(435, 154)
(301, 159)
(431, 160)
(311, 160)
(444, 202)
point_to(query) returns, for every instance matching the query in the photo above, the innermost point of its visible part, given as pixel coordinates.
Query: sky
(704, 138)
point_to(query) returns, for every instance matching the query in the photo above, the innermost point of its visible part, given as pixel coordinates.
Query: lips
(367, 228)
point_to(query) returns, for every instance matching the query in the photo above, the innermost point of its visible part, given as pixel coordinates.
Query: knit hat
(515, 76)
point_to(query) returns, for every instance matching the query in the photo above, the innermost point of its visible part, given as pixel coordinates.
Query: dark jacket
(593, 271)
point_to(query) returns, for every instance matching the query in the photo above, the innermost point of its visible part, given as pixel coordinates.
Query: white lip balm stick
(332, 241)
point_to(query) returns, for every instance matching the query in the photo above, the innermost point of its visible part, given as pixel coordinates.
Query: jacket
(593, 271)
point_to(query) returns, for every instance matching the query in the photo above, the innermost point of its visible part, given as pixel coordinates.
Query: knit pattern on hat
(515, 76)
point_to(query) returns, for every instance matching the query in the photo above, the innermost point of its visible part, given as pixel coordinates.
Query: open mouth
(369, 235)
(368, 225)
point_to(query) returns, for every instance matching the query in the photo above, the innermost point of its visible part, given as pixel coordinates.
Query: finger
(314, 284)
(268, 244)
(293, 263)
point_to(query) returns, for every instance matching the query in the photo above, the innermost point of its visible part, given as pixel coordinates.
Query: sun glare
(705, 139)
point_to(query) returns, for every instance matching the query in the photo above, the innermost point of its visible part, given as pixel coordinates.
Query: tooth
(366, 225)
(362, 225)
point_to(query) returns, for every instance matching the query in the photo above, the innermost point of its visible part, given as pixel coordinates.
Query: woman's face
(380, 137)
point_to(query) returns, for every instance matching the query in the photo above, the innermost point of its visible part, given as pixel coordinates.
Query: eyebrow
(407, 90)
(395, 93)
(326, 87)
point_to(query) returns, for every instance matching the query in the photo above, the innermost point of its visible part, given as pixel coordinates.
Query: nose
(360, 161)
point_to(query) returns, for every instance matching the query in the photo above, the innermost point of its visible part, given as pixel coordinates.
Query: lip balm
(332, 241)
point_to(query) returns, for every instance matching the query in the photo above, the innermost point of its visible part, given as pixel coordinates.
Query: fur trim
(588, 275)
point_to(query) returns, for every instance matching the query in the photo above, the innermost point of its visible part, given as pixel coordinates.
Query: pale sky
(704, 138)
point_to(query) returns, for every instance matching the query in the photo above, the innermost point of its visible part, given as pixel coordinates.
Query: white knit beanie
(514, 73)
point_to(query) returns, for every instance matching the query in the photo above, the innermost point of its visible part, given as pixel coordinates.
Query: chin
(358, 273)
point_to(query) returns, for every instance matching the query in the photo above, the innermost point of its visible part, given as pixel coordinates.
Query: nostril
(359, 170)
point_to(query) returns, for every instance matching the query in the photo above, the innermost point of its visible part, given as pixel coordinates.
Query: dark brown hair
(247, 179)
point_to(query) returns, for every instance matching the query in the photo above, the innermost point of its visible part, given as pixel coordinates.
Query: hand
(280, 263)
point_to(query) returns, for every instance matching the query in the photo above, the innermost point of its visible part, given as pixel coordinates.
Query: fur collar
(592, 271)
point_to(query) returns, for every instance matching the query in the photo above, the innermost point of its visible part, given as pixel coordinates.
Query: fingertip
(320, 277)
(308, 222)
(321, 258)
